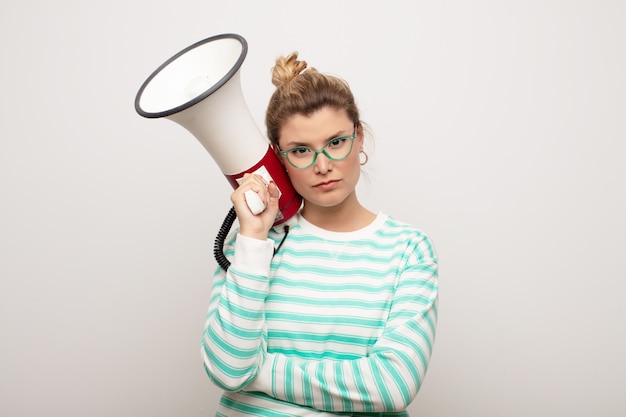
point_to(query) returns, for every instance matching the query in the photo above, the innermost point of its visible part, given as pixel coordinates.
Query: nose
(323, 164)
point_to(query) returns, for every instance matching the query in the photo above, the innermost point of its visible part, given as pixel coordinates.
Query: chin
(329, 202)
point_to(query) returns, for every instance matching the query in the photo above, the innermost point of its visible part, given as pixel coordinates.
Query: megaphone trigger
(254, 202)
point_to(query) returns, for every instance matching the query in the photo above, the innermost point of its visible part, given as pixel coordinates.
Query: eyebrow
(295, 143)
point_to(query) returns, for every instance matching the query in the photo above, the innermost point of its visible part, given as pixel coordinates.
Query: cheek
(301, 180)
(295, 175)
(355, 159)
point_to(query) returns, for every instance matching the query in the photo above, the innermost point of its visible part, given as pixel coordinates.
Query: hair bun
(286, 69)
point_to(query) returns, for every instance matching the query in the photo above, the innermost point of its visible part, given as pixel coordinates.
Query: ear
(360, 134)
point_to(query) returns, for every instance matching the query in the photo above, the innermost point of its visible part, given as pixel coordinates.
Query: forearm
(388, 379)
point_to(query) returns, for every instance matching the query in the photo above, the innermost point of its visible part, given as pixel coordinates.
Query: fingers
(255, 223)
(252, 183)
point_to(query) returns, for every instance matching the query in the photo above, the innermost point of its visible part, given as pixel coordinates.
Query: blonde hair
(302, 90)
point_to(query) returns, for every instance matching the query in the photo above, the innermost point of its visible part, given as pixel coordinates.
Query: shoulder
(390, 226)
(412, 237)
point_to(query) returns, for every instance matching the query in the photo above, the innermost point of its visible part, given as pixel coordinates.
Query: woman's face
(326, 183)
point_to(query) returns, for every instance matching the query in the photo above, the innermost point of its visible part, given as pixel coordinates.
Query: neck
(340, 218)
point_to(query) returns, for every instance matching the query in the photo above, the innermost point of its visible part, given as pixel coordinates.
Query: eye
(301, 151)
(337, 142)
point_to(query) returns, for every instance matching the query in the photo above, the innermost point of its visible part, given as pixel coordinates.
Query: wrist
(253, 234)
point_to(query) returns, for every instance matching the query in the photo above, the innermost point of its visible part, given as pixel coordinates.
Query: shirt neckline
(365, 231)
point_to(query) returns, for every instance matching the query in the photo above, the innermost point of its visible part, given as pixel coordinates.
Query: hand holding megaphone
(256, 203)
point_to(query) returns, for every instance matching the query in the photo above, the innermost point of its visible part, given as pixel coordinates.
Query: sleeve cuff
(253, 254)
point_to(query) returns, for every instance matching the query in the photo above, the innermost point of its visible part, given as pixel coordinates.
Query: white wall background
(499, 128)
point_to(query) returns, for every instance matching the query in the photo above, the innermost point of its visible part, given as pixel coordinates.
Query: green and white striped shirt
(333, 324)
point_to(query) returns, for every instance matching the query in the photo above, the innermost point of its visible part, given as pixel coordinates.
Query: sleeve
(234, 337)
(390, 376)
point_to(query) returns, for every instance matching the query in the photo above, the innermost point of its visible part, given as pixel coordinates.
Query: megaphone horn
(200, 89)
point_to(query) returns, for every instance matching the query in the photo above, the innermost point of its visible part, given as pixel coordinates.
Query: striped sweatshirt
(335, 323)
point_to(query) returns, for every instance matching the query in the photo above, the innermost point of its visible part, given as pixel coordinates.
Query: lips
(326, 185)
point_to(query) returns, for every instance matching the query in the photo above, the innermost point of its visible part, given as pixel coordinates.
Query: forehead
(315, 128)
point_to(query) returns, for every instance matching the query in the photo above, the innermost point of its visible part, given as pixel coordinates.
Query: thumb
(273, 192)
(271, 211)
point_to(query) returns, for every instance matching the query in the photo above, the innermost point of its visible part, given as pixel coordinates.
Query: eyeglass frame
(351, 137)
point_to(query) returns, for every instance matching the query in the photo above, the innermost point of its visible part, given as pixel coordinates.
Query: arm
(389, 377)
(233, 340)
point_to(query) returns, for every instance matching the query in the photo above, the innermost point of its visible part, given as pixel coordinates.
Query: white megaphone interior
(221, 121)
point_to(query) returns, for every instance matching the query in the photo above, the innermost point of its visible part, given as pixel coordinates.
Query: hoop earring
(366, 158)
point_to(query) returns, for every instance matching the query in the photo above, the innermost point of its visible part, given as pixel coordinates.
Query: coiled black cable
(218, 246)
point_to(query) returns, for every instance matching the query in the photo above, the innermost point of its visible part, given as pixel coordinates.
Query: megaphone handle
(254, 202)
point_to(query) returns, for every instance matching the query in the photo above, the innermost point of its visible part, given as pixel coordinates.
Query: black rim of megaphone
(215, 87)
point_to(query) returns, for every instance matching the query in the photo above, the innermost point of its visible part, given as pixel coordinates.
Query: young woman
(336, 313)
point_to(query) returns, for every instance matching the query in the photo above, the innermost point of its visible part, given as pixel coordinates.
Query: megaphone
(200, 89)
